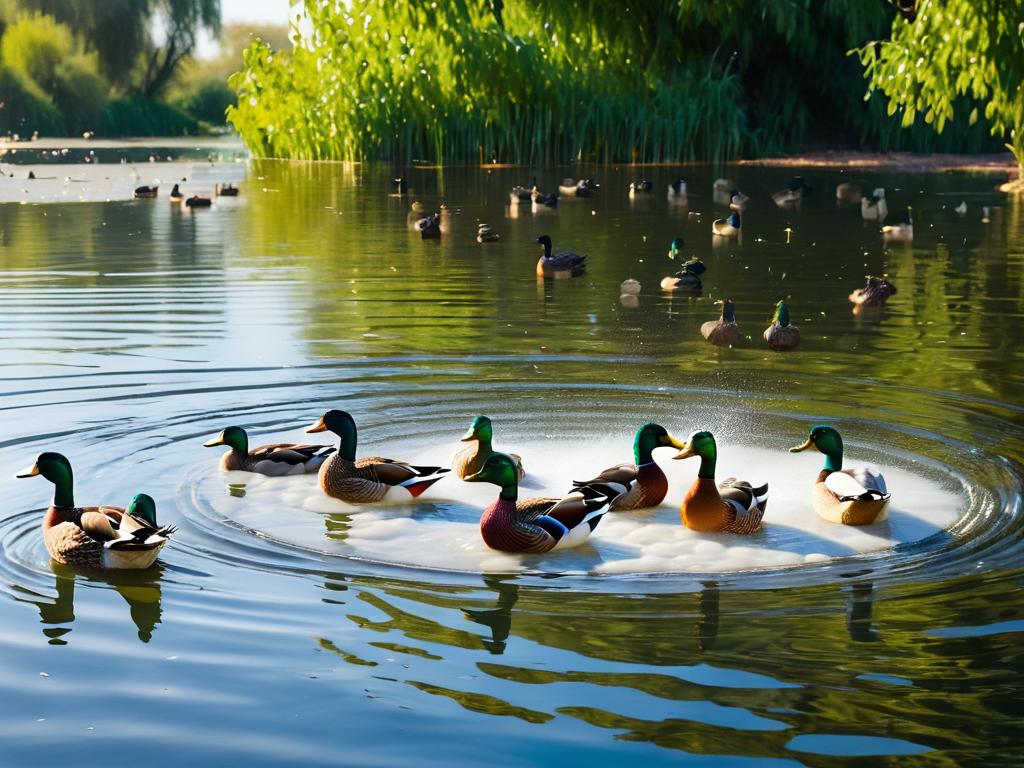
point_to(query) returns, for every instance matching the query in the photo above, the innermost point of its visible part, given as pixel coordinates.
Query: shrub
(24, 108)
(142, 116)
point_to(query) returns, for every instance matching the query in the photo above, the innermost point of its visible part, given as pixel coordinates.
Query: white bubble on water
(441, 530)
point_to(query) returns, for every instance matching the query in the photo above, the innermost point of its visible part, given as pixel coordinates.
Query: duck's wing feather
(393, 472)
(566, 260)
(621, 475)
(290, 453)
(860, 484)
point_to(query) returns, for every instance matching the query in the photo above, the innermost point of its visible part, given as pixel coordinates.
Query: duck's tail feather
(425, 477)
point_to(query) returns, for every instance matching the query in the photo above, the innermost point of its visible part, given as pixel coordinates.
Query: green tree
(951, 51)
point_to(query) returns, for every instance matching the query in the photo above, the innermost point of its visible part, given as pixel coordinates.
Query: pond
(281, 626)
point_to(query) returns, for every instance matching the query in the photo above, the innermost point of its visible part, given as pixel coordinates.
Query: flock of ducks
(146, 192)
(106, 537)
(781, 335)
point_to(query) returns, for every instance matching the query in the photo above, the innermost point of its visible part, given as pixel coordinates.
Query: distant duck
(429, 226)
(781, 335)
(577, 188)
(197, 201)
(630, 287)
(856, 496)
(536, 525)
(145, 192)
(31, 176)
(687, 278)
(401, 185)
(102, 537)
(793, 194)
(677, 189)
(176, 196)
(370, 479)
(722, 185)
(737, 200)
(540, 198)
(900, 233)
(484, 234)
(873, 207)
(644, 185)
(226, 190)
(961, 209)
(729, 227)
(471, 458)
(274, 460)
(559, 265)
(733, 506)
(875, 292)
(848, 193)
(520, 195)
(725, 331)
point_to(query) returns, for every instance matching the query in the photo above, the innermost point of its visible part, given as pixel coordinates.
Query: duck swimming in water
(725, 331)
(536, 525)
(558, 265)
(729, 227)
(781, 335)
(793, 194)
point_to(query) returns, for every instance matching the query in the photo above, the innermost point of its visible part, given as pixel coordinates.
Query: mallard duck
(733, 506)
(875, 292)
(226, 190)
(687, 278)
(737, 200)
(725, 331)
(677, 189)
(96, 537)
(429, 226)
(540, 198)
(729, 227)
(370, 479)
(559, 265)
(638, 485)
(535, 525)
(471, 459)
(644, 185)
(902, 233)
(849, 496)
(484, 234)
(848, 193)
(273, 460)
(793, 194)
(873, 207)
(197, 201)
(176, 196)
(780, 335)
(146, 192)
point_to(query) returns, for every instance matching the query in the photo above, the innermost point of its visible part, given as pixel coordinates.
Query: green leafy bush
(141, 116)
(208, 101)
(24, 108)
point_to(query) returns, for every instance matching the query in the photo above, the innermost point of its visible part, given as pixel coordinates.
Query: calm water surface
(132, 331)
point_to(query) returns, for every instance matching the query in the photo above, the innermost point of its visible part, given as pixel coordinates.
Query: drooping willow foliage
(538, 81)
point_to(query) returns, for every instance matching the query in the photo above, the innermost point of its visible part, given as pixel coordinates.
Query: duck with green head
(855, 496)
(688, 277)
(536, 525)
(96, 537)
(781, 335)
(470, 459)
(725, 331)
(274, 460)
(370, 479)
(732, 506)
(639, 484)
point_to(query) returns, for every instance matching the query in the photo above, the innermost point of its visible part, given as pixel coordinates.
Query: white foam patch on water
(441, 530)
